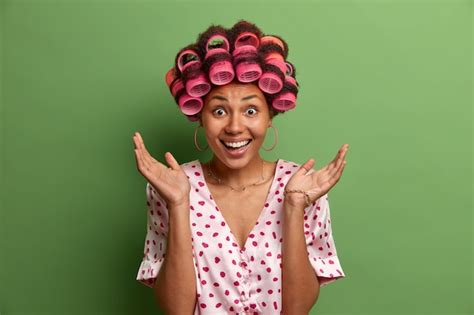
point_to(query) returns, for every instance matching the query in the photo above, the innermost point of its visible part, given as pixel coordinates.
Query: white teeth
(237, 144)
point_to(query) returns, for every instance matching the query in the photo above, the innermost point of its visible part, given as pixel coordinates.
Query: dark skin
(316, 183)
(235, 118)
(170, 182)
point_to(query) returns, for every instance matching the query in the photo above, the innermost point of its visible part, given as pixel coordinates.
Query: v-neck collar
(262, 212)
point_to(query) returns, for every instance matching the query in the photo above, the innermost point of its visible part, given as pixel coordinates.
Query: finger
(137, 158)
(334, 170)
(335, 178)
(134, 139)
(335, 163)
(142, 145)
(138, 140)
(306, 167)
(139, 150)
(343, 155)
(144, 159)
(147, 159)
(331, 165)
(140, 162)
(172, 161)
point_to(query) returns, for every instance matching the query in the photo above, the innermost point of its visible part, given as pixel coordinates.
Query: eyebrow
(222, 98)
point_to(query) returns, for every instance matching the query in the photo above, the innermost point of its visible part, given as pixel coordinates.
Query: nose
(235, 124)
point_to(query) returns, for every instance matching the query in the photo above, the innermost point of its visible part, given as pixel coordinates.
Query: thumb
(306, 167)
(172, 161)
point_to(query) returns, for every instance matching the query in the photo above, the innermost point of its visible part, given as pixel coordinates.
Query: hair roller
(247, 64)
(170, 77)
(221, 56)
(215, 47)
(187, 104)
(273, 52)
(286, 98)
(244, 33)
(272, 79)
(245, 42)
(219, 60)
(204, 38)
(189, 64)
(271, 40)
(290, 69)
(290, 74)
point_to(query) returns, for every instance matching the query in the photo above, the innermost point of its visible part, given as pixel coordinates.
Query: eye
(253, 111)
(252, 108)
(217, 109)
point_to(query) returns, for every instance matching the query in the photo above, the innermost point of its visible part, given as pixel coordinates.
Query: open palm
(316, 183)
(170, 182)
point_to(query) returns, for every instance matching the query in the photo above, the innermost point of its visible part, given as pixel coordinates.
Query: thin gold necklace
(232, 188)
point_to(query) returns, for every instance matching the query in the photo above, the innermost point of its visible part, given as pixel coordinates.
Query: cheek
(259, 129)
(212, 134)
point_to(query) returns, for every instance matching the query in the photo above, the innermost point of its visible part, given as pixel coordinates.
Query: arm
(300, 285)
(177, 277)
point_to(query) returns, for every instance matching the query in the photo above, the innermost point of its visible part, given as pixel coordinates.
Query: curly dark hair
(243, 44)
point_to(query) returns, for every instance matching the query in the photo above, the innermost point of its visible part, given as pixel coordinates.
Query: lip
(239, 152)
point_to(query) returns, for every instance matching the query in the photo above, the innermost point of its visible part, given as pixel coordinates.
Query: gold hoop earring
(195, 140)
(276, 139)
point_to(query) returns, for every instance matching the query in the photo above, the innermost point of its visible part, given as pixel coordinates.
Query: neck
(239, 176)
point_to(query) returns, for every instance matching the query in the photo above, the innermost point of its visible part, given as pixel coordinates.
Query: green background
(391, 78)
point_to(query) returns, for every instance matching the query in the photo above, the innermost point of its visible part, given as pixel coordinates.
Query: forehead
(235, 91)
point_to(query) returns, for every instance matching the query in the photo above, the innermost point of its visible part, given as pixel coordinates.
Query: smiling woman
(235, 117)
(237, 234)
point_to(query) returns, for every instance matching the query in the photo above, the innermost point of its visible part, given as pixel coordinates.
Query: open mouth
(236, 148)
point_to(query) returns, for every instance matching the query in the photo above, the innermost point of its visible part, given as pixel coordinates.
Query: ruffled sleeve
(155, 240)
(320, 242)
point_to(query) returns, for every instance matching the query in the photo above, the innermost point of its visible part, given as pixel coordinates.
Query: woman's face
(232, 113)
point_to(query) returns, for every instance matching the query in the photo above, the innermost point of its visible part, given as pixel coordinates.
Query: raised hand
(316, 183)
(170, 182)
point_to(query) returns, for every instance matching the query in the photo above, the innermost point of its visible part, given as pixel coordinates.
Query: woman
(241, 235)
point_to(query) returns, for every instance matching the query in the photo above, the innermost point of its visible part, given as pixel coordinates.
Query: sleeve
(320, 243)
(156, 237)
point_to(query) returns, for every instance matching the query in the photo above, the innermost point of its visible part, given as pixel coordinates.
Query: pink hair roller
(285, 102)
(198, 85)
(287, 99)
(220, 72)
(291, 80)
(176, 87)
(247, 71)
(277, 60)
(190, 105)
(170, 77)
(270, 82)
(246, 39)
(272, 40)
